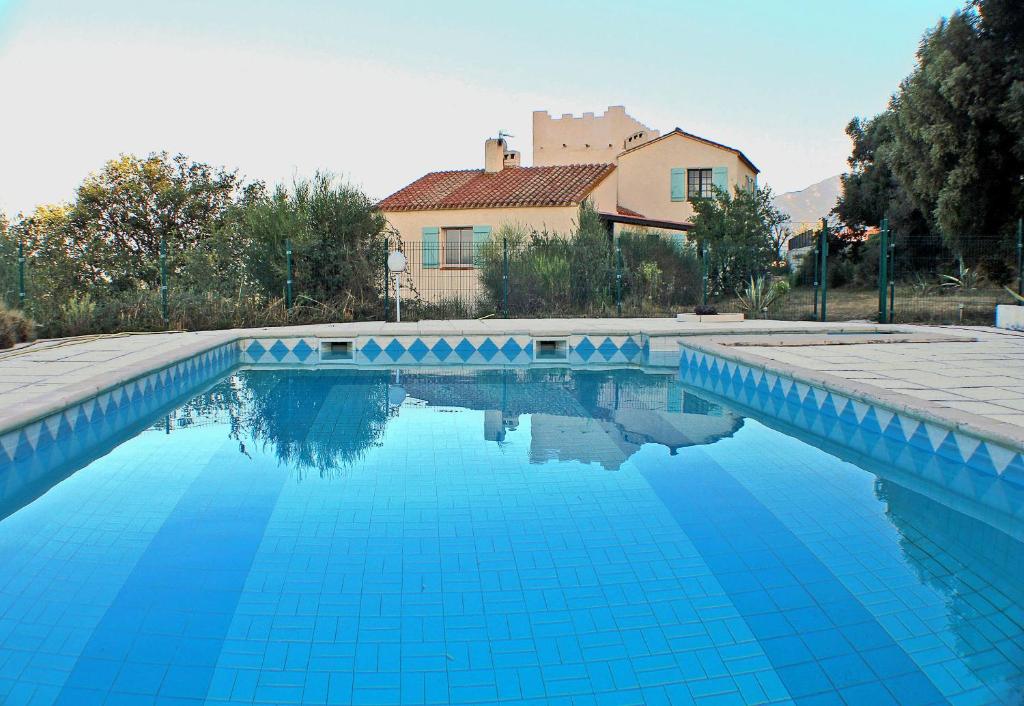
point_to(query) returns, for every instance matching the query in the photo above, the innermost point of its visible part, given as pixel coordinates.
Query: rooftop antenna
(502, 135)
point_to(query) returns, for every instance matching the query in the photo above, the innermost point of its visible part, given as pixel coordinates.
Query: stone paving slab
(46, 376)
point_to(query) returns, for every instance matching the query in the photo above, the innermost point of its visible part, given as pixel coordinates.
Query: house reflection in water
(325, 420)
(589, 416)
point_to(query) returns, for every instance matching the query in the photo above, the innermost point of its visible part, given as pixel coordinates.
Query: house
(636, 178)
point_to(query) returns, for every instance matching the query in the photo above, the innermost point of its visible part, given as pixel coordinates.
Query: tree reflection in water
(979, 571)
(313, 420)
(324, 420)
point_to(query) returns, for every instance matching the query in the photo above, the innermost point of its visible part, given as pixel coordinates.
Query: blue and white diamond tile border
(950, 457)
(444, 350)
(607, 349)
(64, 435)
(273, 351)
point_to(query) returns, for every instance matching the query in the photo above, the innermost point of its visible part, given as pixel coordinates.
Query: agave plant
(1019, 298)
(966, 279)
(760, 293)
(922, 287)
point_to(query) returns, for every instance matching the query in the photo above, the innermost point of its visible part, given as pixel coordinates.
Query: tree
(123, 213)
(947, 156)
(225, 243)
(337, 234)
(59, 263)
(870, 190)
(739, 234)
(8, 264)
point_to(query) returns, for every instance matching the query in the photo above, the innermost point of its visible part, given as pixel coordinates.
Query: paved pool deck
(970, 376)
(985, 377)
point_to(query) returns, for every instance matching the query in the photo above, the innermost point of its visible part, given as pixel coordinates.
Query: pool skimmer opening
(337, 350)
(550, 349)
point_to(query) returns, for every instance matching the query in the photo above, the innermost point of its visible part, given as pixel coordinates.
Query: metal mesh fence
(10, 286)
(930, 281)
(228, 284)
(635, 275)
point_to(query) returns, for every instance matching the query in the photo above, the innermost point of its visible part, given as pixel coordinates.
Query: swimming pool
(493, 535)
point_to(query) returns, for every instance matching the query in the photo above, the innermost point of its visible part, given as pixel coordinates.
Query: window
(698, 184)
(458, 247)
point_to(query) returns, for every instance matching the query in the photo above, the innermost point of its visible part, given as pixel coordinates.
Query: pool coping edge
(976, 425)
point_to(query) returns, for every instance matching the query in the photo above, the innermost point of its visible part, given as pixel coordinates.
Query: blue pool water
(535, 536)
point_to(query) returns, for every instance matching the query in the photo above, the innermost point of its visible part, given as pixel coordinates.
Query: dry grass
(976, 307)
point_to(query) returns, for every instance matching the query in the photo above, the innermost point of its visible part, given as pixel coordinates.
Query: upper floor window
(458, 247)
(699, 183)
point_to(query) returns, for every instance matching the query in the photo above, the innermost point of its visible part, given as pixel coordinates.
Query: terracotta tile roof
(623, 211)
(698, 138)
(512, 187)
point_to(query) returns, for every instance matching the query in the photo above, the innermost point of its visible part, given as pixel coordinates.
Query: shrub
(446, 308)
(658, 273)
(15, 327)
(77, 316)
(548, 273)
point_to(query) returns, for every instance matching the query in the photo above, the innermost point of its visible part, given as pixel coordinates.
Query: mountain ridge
(807, 206)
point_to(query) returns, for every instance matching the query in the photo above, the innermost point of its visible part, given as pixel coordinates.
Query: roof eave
(644, 221)
(476, 207)
(683, 133)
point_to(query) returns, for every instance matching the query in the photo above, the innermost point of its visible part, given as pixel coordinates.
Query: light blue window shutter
(481, 236)
(679, 241)
(678, 184)
(431, 248)
(720, 178)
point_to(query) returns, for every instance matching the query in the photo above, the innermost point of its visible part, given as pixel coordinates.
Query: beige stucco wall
(434, 284)
(605, 195)
(410, 224)
(644, 175)
(589, 139)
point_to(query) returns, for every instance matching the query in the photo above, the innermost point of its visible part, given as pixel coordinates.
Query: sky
(380, 93)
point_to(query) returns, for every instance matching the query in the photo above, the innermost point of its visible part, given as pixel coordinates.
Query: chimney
(512, 159)
(494, 155)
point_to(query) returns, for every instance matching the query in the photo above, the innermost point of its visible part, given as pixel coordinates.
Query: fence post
(504, 273)
(1020, 259)
(883, 276)
(618, 279)
(21, 274)
(816, 257)
(824, 270)
(892, 279)
(163, 280)
(387, 281)
(703, 274)
(288, 273)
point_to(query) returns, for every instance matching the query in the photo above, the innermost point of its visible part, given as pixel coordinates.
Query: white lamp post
(397, 264)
